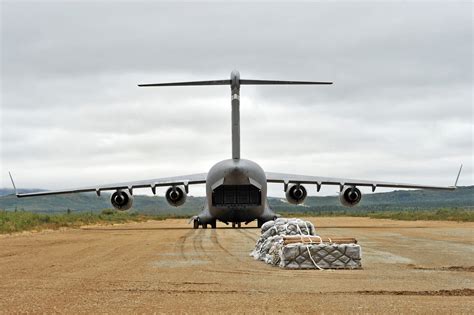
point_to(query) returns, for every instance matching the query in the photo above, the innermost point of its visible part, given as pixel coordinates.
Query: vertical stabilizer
(235, 99)
(235, 83)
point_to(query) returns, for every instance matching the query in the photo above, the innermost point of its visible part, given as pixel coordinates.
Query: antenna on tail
(13, 183)
(457, 177)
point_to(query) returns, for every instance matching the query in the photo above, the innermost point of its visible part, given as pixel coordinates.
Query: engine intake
(296, 194)
(121, 200)
(175, 196)
(350, 196)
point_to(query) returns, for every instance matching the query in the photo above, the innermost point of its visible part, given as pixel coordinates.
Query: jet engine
(296, 194)
(176, 196)
(121, 200)
(350, 196)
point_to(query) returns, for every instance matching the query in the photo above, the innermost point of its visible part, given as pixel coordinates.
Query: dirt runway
(165, 266)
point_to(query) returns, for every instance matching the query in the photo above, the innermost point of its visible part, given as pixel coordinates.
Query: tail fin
(235, 82)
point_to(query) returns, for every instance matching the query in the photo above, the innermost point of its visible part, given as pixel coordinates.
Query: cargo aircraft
(236, 188)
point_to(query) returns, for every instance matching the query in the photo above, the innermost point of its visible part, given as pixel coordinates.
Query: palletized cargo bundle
(293, 244)
(272, 232)
(320, 256)
(282, 226)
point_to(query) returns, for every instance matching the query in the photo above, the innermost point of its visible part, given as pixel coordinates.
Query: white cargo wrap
(293, 244)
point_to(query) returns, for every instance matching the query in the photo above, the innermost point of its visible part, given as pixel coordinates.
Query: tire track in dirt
(181, 242)
(248, 234)
(262, 268)
(240, 265)
(199, 248)
(216, 242)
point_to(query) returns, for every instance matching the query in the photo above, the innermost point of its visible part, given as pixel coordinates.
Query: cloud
(72, 115)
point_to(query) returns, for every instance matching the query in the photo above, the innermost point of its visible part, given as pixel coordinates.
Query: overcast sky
(400, 109)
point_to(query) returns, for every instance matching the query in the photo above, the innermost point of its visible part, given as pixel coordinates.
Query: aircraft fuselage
(236, 191)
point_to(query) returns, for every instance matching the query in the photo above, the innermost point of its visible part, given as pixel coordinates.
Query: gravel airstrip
(165, 266)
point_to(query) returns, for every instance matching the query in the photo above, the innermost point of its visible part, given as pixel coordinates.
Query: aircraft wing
(149, 183)
(341, 182)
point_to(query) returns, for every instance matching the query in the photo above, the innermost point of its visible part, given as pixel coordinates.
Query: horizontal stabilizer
(229, 82)
(276, 82)
(190, 83)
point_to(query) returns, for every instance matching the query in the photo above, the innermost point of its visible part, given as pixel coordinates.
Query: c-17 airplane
(236, 189)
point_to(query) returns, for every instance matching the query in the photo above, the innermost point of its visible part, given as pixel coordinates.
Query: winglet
(13, 183)
(457, 178)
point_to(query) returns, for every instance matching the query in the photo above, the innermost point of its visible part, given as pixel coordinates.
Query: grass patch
(459, 215)
(18, 221)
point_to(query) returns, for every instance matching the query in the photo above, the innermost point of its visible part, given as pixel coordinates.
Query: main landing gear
(197, 223)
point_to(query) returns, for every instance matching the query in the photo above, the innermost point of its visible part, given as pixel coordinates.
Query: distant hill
(463, 197)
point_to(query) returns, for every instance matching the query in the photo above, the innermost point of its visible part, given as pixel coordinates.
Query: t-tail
(235, 82)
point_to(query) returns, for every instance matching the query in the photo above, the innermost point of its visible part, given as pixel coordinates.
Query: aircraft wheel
(195, 224)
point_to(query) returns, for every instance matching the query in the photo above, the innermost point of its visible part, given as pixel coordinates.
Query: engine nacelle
(176, 196)
(121, 200)
(296, 194)
(350, 196)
